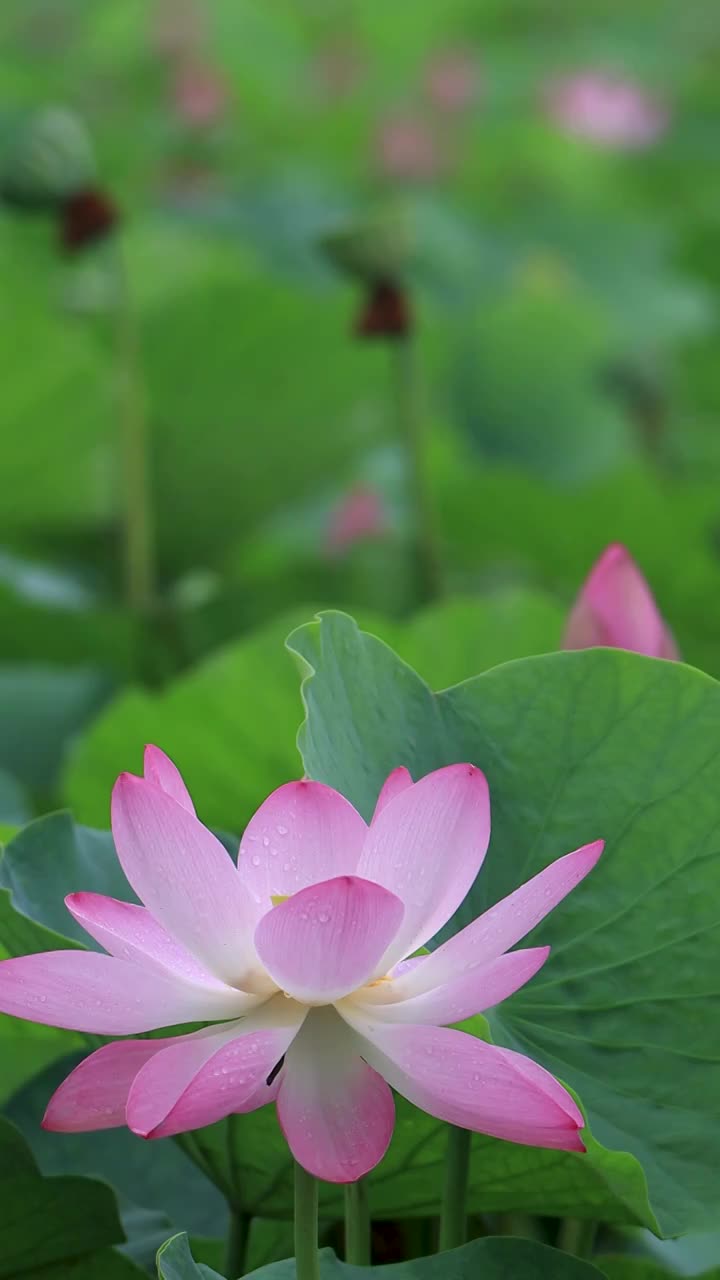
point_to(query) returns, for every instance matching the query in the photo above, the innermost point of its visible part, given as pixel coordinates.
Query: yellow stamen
(277, 898)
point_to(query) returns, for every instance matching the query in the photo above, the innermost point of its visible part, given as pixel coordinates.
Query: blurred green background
(553, 171)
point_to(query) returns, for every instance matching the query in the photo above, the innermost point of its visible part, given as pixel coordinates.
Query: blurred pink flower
(298, 956)
(407, 149)
(200, 96)
(606, 110)
(359, 516)
(616, 609)
(451, 80)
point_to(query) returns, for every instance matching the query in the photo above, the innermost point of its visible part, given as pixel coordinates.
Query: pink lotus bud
(406, 149)
(607, 110)
(360, 516)
(616, 609)
(451, 80)
(200, 96)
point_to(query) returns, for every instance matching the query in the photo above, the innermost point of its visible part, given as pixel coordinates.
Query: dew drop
(255, 860)
(282, 831)
(323, 917)
(266, 842)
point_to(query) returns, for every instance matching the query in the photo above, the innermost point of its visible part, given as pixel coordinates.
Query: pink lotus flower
(200, 96)
(606, 110)
(615, 608)
(302, 957)
(359, 516)
(451, 80)
(406, 149)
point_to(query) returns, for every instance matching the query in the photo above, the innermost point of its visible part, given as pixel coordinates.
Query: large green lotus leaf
(45, 861)
(227, 452)
(41, 709)
(688, 1255)
(494, 1259)
(25, 1050)
(527, 383)
(457, 638)
(576, 746)
(622, 1268)
(42, 864)
(55, 1227)
(31, 631)
(230, 723)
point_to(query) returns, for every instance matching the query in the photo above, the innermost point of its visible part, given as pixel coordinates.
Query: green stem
(134, 460)
(577, 1235)
(412, 435)
(453, 1213)
(237, 1243)
(307, 1262)
(357, 1224)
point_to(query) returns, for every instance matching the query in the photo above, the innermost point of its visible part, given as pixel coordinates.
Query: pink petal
(327, 940)
(166, 1075)
(502, 926)
(303, 833)
(427, 846)
(84, 991)
(160, 770)
(337, 1114)
(616, 608)
(185, 878)
(395, 782)
(233, 1079)
(131, 933)
(472, 1084)
(94, 1095)
(478, 989)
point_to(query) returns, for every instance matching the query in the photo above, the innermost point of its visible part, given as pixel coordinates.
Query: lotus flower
(609, 111)
(200, 96)
(406, 149)
(451, 80)
(303, 958)
(616, 609)
(360, 515)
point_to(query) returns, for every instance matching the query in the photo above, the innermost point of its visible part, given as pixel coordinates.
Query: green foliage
(493, 1259)
(55, 1228)
(230, 723)
(42, 709)
(566, 303)
(623, 1268)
